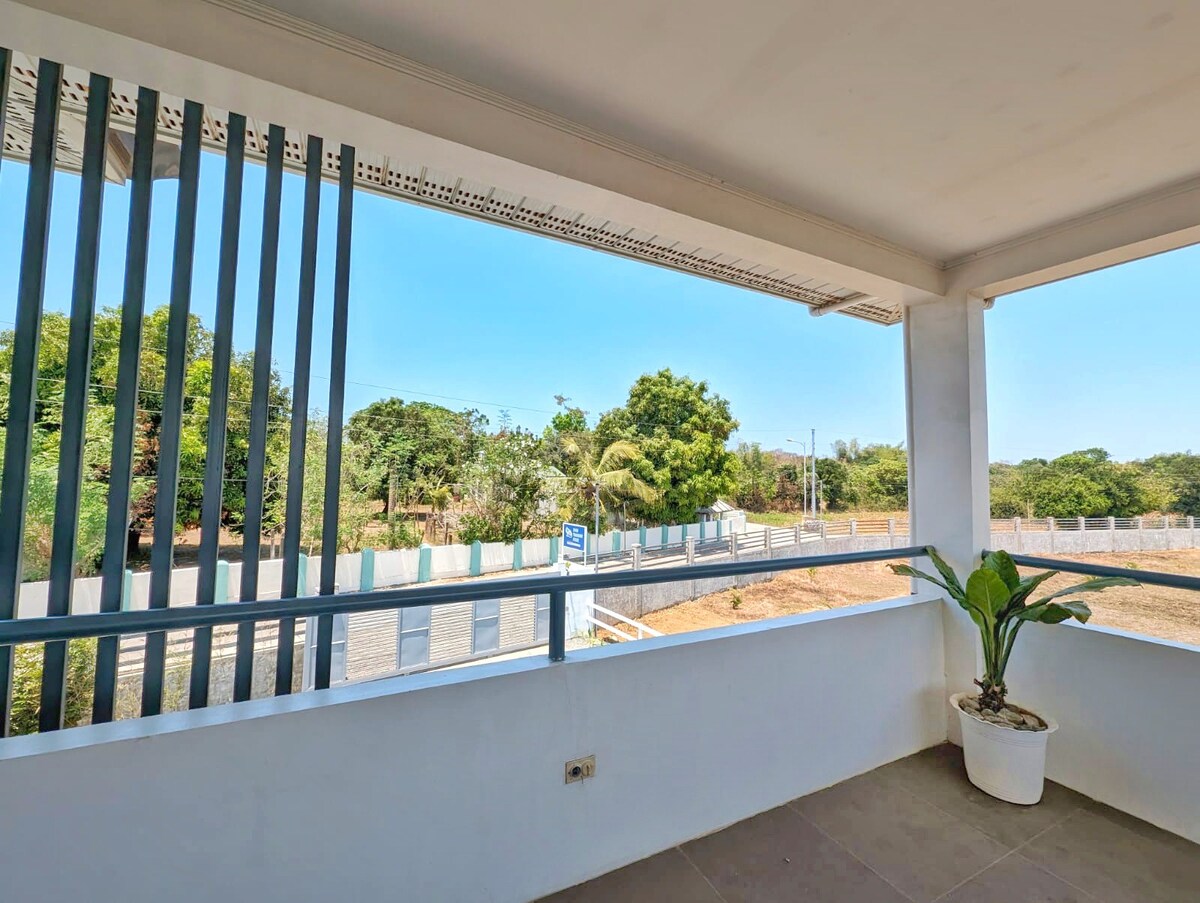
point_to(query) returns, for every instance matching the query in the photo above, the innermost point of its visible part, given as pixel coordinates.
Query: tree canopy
(52, 365)
(419, 447)
(657, 458)
(682, 429)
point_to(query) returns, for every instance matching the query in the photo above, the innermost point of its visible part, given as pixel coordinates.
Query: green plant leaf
(1026, 587)
(954, 591)
(1080, 611)
(987, 592)
(946, 571)
(1002, 564)
(905, 570)
(1056, 612)
(1094, 585)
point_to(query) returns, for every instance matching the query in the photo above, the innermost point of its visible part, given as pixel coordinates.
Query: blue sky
(468, 314)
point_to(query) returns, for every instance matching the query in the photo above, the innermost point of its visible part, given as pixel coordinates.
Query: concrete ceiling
(946, 127)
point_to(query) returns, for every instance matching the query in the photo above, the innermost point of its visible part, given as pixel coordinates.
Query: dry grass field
(1149, 610)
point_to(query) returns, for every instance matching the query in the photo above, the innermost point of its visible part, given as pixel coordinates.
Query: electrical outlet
(578, 769)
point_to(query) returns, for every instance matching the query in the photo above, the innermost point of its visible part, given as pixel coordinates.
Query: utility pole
(803, 475)
(814, 472)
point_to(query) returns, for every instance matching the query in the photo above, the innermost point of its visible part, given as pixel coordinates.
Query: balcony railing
(56, 631)
(1149, 578)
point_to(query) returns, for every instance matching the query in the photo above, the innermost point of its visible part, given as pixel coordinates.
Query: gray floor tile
(913, 844)
(1015, 878)
(938, 776)
(779, 856)
(1144, 829)
(665, 878)
(1119, 859)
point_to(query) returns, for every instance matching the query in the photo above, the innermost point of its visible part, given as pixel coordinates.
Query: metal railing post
(558, 625)
(690, 548)
(636, 550)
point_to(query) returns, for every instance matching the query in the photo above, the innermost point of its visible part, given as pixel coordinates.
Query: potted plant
(1004, 745)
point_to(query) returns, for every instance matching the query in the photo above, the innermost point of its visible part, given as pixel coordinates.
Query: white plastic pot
(1005, 763)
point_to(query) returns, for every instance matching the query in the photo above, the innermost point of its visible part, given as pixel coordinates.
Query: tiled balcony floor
(916, 830)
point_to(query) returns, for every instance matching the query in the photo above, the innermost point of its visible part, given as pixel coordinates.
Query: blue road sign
(574, 537)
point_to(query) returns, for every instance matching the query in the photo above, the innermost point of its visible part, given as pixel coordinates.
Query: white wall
(1126, 706)
(449, 786)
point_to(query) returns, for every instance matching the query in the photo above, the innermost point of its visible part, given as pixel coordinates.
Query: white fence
(376, 569)
(1030, 536)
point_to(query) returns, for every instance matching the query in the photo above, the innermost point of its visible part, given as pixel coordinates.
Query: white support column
(945, 378)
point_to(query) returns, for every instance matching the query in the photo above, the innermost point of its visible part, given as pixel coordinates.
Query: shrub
(27, 685)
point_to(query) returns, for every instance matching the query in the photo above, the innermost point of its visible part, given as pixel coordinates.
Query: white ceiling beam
(1152, 224)
(240, 55)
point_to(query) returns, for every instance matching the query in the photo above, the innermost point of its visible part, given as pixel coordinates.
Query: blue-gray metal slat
(162, 551)
(284, 662)
(337, 403)
(22, 386)
(116, 529)
(75, 396)
(185, 617)
(558, 625)
(259, 411)
(218, 406)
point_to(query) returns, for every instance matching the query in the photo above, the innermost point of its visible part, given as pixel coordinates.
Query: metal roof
(417, 182)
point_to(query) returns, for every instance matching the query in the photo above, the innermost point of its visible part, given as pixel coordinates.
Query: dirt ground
(1148, 610)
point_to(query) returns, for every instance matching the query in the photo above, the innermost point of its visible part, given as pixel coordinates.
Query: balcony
(820, 737)
(804, 756)
(915, 830)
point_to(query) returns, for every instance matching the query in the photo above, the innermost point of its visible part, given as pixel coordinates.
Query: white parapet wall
(1128, 733)
(450, 786)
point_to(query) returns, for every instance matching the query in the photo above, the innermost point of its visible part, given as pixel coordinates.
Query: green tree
(419, 445)
(359, 475)
(833, 479)
(1176, 476)
(509, 489)
(758, 477)
(879, 477)
(597, 480)
(1086, 483)
(52, 362)
(681, 428)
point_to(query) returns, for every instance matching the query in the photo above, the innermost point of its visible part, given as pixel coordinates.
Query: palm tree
(438, 496)
(602, 477)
